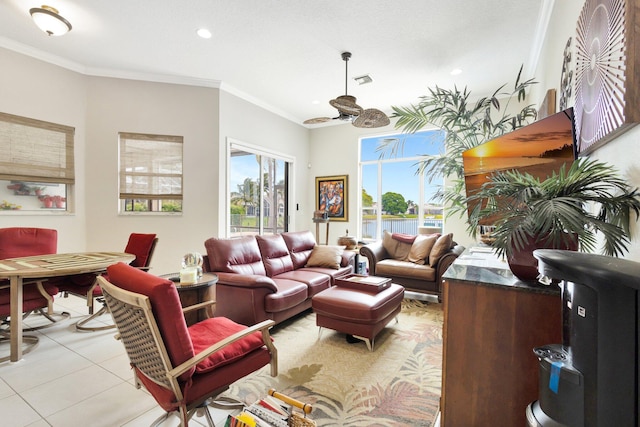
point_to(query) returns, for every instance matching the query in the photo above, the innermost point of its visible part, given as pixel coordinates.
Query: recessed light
(456, 71)
(204, 33)
(315, 102)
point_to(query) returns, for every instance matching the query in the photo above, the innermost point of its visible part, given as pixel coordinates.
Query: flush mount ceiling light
(49, 21)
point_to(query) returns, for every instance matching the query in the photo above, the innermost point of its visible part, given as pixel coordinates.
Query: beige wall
(248, 124)
(117, 105)
(99, 108)
(42, 91)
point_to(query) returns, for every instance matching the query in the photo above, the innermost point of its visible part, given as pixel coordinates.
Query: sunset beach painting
(539, 149)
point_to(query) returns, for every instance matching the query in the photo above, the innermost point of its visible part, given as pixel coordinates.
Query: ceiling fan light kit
(350, 111)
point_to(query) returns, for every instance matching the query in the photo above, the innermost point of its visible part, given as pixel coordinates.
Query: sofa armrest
(348, 259)
(241, 297)
(246, 281)
(374, 252)
(445, 262)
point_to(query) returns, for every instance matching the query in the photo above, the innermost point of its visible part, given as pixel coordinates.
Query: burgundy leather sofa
(265, 277)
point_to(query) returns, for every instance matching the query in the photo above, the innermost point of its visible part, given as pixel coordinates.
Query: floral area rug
(398, 384)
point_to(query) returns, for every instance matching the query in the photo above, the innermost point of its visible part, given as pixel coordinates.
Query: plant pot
(524, 265)
(47, 204)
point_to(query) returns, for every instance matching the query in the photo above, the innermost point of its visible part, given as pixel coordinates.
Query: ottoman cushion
(357, 306)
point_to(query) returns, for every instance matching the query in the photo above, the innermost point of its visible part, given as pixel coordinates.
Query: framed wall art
(607, 71)
(332, 196)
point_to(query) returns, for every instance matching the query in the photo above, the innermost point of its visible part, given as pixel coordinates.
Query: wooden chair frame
(138, 331)
(80, 324)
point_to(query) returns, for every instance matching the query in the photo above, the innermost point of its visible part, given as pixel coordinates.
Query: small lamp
(49, 21)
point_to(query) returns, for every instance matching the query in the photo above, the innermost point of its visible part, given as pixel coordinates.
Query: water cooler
(592, 378)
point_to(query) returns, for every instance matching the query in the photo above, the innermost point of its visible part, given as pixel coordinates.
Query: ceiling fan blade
(371, 118)
(317, 120)
(346, 104)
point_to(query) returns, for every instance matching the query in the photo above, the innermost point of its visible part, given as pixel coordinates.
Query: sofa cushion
(300, 245)
(241, 255)
(335, 274)
(421, 248)
(275, 254)
(315, 281)
(441, 247)
(396, 248)
(393, 268)
(211, 331)
(326, 256)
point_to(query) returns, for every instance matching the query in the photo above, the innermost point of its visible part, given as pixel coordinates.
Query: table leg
(317, 233)
(326, 240)
(16, 318)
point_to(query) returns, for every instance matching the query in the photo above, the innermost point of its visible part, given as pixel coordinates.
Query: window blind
(150, 166)
(35, 150)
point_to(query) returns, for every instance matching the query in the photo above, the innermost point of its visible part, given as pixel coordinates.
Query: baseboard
(420, 296)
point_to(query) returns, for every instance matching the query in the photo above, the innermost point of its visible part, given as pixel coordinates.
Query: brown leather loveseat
(415, 262)
(272, 276)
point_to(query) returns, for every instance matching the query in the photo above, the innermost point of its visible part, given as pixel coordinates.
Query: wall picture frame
(332, 196)
(607, 63)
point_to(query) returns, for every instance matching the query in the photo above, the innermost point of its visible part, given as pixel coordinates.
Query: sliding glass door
(258, 192)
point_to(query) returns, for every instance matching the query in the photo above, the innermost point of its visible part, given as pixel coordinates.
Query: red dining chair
(86, 285)
(182, 367)
(16, 242)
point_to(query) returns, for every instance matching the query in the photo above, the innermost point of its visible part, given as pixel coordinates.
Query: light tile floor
(77, 379)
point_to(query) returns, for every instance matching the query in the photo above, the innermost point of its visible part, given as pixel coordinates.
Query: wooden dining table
(42, 266)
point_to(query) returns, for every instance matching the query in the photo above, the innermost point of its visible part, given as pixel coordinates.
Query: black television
(539, 148)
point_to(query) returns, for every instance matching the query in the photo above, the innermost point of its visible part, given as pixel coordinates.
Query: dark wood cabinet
(492, 322)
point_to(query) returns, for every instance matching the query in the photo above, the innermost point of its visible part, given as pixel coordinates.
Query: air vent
(363, 80)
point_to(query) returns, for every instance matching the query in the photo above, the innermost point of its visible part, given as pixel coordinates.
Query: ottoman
(356, 312)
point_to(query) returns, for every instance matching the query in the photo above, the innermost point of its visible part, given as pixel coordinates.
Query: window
(37, 160)
(150, 173)
(258, 191)
(394, 196)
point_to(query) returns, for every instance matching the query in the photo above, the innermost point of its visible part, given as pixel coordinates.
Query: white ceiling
(285, 54)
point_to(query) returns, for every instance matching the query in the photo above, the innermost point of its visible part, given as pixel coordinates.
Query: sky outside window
(399, 170)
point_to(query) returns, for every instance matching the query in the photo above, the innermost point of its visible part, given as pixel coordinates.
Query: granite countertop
(480, 265)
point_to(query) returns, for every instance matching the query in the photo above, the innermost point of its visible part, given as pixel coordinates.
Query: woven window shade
(150, 167)
(34, 150)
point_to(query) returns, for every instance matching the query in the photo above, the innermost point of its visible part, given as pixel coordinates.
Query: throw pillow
(442, 245)
(325, 256)
(421, 247)
(396, 249)
(389, 243)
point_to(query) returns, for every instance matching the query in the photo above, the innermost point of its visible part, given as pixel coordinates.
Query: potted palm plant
(565, 211)
(466, 124)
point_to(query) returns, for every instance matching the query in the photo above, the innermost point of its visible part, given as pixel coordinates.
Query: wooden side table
(195, 293)
(319, 221)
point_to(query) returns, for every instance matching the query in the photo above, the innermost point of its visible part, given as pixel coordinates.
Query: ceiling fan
(348, 110)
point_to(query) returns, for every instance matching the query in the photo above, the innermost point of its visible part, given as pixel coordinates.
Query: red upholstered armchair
(86, 286)
(18, 242)
(182, 367)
